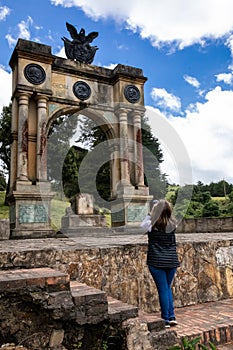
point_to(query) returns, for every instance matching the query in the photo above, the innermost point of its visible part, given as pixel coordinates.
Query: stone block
(56, 338)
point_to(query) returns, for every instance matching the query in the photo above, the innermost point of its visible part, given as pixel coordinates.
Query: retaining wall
(119, 268)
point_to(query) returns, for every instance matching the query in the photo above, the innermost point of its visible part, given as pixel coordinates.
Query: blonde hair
(161, 216)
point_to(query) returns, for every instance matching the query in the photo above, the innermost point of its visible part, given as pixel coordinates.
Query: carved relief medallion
(34, 73)
(132, 94)
(82, 90)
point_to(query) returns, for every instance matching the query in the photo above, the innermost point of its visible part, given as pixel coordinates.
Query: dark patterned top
(162, 249)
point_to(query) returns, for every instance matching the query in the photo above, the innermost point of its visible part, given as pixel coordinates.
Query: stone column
(41, 147)
(14, 144)
(22, 165)
(138, 154)
(124, 149)
(114, 169)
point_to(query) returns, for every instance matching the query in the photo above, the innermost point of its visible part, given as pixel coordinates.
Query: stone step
(119, 311)
(164, 339)
(91, 304)
(45, 279)
(154, 323)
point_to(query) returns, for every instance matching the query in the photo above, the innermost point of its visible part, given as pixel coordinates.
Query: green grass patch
(4, 210)
(58, 209)
(219, 199)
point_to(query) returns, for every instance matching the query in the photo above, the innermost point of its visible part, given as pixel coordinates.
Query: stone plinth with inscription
(30, 213)
(81, 217)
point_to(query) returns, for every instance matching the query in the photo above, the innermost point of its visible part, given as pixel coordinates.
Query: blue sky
(185, 49)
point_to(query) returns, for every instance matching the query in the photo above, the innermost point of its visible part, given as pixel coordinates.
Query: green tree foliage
(153, 157)
(199, 204)
(231, 196)
(5, 137)
(210, 208)
(220, 189)
(5, 143)
(2, 182)
(59, 139)
(70, 170)
(92, 135)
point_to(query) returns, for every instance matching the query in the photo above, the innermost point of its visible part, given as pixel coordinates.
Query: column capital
(23, 97)
(137, 113)
(122, 110)
(41, 97)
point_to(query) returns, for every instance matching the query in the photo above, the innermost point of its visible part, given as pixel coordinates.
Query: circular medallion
(132, 94)
(34, 73)
(82, 90)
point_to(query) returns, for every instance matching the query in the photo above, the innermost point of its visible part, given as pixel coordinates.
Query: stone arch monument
(45, 87)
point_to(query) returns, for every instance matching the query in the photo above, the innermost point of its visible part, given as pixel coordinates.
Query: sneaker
(172, 321)
(167, 324)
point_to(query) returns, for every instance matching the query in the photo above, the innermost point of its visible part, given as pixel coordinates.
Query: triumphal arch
(47, 86)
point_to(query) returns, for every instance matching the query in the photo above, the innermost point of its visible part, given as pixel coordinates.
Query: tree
(2, 182)
(153, 156)
(220, 189)
(231, 196)
(5, 137)
(70, 170)
(92, 135)
(58, 145)
(210, 208)
(5, 143)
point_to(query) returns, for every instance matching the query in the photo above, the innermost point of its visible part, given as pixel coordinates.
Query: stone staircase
(66, 300)
(54, 291)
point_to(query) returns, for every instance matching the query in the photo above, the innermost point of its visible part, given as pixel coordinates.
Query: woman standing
(162, 259)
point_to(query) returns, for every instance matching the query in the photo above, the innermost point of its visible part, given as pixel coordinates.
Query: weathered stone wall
(218, 224)
(4, 229)
(205, 273)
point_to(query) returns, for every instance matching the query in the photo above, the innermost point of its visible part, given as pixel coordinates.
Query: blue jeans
(163, 279)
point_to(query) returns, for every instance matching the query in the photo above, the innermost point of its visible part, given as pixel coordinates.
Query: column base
(33, 233)
(129, 211)
(30, 211)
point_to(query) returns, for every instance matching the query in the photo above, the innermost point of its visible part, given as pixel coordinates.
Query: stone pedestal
(81, 218)
(131, 206)
(30, 211)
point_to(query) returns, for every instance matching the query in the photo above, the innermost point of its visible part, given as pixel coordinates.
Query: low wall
(218, 224)
(205, 273)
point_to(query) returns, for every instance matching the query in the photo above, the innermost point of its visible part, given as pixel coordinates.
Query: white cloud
(164, 99)
(182, 23)
(5, 88)
(229, 43)
(206, 132)
(4, 12)
(192, 81)
(61, 53)
(227, 78)
(23, 32)
(111, 66)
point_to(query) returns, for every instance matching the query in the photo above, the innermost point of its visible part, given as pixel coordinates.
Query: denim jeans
(163, 279)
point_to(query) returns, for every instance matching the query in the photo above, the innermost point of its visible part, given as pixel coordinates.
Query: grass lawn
(4, 210)
(58, 209)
